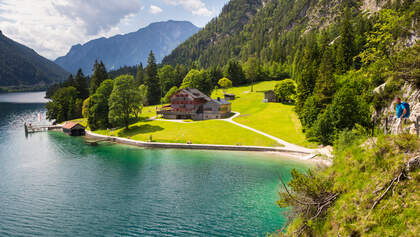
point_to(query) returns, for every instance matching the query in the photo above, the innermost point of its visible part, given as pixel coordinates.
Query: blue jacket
(400, 110)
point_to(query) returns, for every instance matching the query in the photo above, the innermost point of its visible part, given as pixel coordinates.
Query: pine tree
(345, 49)
(306, 79)
(99, 75)
(181, 72)
(235, 73)
(81, 85)
(151, 80)
(140, 75)
(325, 84)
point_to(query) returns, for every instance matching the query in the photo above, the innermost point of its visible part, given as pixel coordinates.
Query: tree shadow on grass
(289, 102)
(138, 119)
(135, 130)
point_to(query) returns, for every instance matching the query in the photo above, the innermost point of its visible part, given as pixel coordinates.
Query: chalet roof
(196, 94)
(269, 92)
(70, 125)
(221, 101)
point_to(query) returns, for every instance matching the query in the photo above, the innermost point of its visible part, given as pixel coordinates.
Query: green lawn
(276, 119)
(203, 132)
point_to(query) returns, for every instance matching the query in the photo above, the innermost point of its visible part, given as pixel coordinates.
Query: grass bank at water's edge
(276, 119)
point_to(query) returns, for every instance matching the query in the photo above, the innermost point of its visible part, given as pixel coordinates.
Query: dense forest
(336, 51)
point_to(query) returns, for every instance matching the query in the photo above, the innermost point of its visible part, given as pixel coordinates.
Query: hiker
(403, 113)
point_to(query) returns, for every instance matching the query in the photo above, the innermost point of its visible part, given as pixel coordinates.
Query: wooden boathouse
(74, 129)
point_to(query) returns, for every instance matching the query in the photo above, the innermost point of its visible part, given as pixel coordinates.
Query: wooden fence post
(418, 126)
(386, 126)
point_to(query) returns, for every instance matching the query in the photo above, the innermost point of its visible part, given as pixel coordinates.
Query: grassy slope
(360, 173)
(275, 119)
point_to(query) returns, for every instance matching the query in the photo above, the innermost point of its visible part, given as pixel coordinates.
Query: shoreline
(285, 152)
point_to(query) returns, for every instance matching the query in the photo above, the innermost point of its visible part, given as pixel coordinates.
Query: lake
(55, 185)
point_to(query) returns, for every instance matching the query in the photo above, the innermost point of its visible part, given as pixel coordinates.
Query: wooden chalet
(74, 129)
(191, 103)
(229, 97)
(270, 96)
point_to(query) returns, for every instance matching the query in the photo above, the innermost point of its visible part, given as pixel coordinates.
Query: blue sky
(51, 27)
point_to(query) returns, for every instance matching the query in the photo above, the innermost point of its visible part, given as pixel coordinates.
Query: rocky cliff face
(411, 95)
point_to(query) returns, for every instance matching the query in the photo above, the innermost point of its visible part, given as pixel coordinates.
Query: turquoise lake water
(55, 185)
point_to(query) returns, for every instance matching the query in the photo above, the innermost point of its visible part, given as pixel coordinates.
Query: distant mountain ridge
(21, 66)
(128, 49)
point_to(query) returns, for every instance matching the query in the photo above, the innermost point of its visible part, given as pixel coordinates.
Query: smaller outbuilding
(229, 97)
(74, 129)
(270, 97)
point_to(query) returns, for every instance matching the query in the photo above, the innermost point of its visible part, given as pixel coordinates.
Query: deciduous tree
(199, 80)
(285, 90)
(99, 108)
(124, 100)
(171, 92)
(225, 83)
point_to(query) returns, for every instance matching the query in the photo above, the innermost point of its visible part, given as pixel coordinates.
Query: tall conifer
(345, 49)
(99, 75)
(151, 80)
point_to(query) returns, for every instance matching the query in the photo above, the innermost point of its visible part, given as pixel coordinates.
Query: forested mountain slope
(265, 28)
(129, 49)
(21, 66)
(329, 48)
(220, 39)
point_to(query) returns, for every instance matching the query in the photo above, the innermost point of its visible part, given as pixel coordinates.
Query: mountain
(264, 28)
(219, 40)
(21, 66)
(129, 49)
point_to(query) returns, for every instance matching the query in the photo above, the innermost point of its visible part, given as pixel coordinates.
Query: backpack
(407, 107)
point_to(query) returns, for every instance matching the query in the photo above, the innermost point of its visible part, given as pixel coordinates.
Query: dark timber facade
(74, 129)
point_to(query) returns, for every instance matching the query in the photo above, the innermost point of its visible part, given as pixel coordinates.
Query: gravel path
(280, 141)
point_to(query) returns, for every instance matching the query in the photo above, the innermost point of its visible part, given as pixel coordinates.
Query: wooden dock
(30, 128)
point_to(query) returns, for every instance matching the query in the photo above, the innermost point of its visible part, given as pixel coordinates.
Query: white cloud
(202, 12)
(196, 7)
(52, 26)
(155, 9)
(97, 15)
